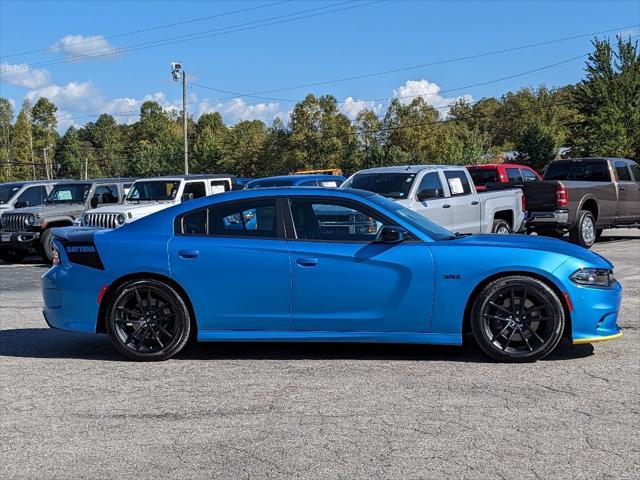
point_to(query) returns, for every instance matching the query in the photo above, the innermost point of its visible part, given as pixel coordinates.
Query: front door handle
(446, 205)
(475, 202)
(188, 253)
(307, 262)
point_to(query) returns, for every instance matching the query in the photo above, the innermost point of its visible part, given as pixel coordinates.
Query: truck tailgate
(540, 195)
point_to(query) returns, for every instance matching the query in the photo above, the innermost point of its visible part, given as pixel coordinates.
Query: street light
(176, 68)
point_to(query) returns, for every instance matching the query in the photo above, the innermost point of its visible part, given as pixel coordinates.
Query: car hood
(51, 210)
(529, 242)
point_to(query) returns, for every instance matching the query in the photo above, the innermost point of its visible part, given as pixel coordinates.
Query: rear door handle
(446, 205)
(307, 262)
(475, 202)
(188, 253)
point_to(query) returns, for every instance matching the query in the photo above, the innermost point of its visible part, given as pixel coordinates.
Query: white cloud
(238, 109)
(429, 91)
(351, 107)
(74, 45)
(21, 75)
(73, 96)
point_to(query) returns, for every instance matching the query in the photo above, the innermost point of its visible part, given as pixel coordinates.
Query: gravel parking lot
(72, 408)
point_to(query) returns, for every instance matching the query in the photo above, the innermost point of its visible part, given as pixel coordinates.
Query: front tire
(46, 245)
(148, 320)
(584, 232)
(517, 319)
(501, 227)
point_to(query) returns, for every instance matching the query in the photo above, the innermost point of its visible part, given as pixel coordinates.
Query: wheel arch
(108, 295)
(466, 321)
(507, 216)
(590, 203)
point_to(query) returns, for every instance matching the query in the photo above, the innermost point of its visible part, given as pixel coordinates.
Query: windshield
(591, 171)
(153, 190)
(270, 183)
(69, 193)
(482, 176)
(392, 185)
(7, 191)
(419, 222)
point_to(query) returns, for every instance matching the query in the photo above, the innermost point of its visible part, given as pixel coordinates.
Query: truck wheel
(11, 255)
(584, 232)
(501, 227)
(46, 245)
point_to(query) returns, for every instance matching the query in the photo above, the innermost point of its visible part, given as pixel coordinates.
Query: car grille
(14, 221)
(101, 220)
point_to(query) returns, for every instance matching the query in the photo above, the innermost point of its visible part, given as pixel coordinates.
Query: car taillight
(562, 196)
(524, 203)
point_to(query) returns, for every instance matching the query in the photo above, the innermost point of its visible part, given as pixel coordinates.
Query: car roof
(495, 165)
(410, 168)
(33, 182)
(195, 176)
(299, 178)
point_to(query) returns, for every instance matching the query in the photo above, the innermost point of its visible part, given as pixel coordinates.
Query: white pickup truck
(150, 195)
(445, 195)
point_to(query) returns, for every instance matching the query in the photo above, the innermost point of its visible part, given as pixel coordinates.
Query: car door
(343, 281)
(432, 200)
(233, 261)
(465, 207)
(628, 193)
(31, 196)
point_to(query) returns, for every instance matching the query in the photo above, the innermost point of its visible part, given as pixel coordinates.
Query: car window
(33, 196)
(194, 190)
(622, 171)
(256, 218)
(106, 194)
(153, 190)
(528, 175)
(458, 183)
(391, 185)
(219, 186)
(430, 187)
(635, 169)
(333, 221)
(308, 183)
(69, 193)
(482, 176)
(590, 171)
(329, 183)
(513, 174)
(195, 223)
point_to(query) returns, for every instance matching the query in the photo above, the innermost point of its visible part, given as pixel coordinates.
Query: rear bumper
(557, 217)
(19, 240)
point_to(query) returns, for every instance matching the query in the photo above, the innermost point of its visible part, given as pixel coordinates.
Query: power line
(148, 29)
(415, 67)
(280, 19)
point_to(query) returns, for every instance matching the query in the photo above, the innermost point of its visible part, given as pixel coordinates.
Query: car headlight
(595, 277)
(30, 220)
(120, 219)
(85, 220)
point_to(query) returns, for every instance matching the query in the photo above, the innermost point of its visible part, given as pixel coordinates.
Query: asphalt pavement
(70, 407)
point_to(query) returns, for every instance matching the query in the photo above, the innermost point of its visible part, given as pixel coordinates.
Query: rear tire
(148, 320)
(517, 319)
(501, 227)
(584, 231)
(11, 255)
(46, 245)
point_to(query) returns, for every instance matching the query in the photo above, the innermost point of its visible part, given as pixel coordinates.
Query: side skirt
(313, 336)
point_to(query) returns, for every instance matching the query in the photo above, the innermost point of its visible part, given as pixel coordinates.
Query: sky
(90, 57)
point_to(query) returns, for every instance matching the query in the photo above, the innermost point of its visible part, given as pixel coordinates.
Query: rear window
(592, 171)
(391, 185)
(482, 176)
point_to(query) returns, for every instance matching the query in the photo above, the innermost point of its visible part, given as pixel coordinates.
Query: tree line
(600, 115)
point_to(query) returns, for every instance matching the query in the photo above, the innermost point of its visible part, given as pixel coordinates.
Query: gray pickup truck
(29, 228)
(584, 196)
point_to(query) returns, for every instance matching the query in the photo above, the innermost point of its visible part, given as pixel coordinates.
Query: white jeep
(150, 195)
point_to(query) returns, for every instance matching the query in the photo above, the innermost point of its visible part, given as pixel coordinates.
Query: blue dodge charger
(323, 265)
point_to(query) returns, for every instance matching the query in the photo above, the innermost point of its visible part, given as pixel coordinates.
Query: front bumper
(21, 240)
(557, 217)
(595, 313)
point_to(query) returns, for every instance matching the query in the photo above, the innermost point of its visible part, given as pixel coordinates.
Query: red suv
(502, 173)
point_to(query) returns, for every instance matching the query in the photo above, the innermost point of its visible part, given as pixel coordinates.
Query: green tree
(105, 139)
(6, 117)
(208, 146)
(244, 149)
(608, 102)
(536, 147)
(45, 135)
(69, 160)
(22, 155)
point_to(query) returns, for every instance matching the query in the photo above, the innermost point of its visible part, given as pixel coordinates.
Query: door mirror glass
(390, 234)
(429, 193)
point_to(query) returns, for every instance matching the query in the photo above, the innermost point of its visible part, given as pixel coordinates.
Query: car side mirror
(428, 193)
(187, 196)
(21, 204)
(389, 234)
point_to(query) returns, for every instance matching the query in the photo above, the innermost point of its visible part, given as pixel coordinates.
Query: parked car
(157, 281)
(584, 196)
(24, 194)
(149, 195)
(29, 228)
(298, 180)
(501, 172)
(445, 195)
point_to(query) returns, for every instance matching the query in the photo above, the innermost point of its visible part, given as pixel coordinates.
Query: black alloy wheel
(517, 319)
(148, 320)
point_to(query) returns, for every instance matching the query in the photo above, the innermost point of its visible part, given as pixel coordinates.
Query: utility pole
(176, 67)
(46, 164)
(86, 168)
